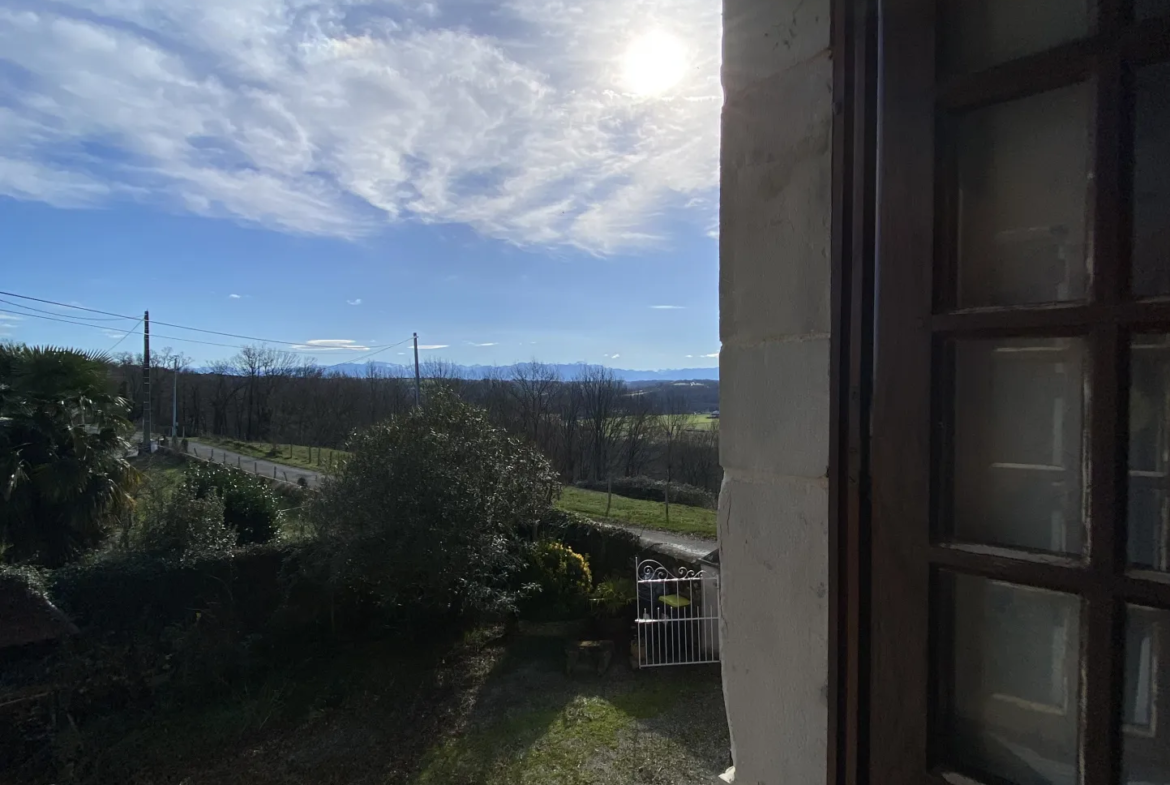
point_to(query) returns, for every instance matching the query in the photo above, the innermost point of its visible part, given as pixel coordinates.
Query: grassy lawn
(286, 454)
(652, 515)
(490, 710)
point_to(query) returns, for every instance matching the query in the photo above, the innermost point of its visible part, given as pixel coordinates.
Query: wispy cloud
(481, 345)
(712, 354)
(331, 345)
(668, 307)
(334, 118)
(358, 301)
(428, 346)
(10, 317)
(233, 296)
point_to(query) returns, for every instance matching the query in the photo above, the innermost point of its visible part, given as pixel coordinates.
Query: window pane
(1149, 452)
(1146, 740)
(1151, 183)
(980, 33)
(1010, 695)
(1017, 444)
(1023, 171)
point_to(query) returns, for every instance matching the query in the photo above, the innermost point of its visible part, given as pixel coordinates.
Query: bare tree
(639, 426)
(601, 394)
(570, 406)
(533, 386)
(698, 458)
(674, 422)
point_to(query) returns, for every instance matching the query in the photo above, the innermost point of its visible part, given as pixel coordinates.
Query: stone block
(764, 37)
(774, 400)
(776, 208)
(773, 540)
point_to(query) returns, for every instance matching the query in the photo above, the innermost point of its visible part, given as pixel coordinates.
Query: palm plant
(64, 477)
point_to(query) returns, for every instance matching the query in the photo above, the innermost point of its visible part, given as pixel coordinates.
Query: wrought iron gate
(678, 615)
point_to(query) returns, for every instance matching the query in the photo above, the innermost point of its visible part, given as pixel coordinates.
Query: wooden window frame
(882, 552)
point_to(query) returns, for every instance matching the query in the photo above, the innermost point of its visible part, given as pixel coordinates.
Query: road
(278, 471)
(677, 545)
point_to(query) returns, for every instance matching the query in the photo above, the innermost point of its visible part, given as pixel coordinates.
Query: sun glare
(653, 63)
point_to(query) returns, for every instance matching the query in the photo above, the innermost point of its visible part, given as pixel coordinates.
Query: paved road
(255, 465)
(677, 545)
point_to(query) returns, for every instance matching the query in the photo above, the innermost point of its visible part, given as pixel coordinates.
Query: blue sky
(520, 179)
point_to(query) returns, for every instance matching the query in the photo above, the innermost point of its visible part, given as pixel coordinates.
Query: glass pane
(1011, 686)
(980, 33)
(1146, 739)
(1151, 183)
(1149, 452)
(1149, 8)
(1017, 444)
(1023, 172)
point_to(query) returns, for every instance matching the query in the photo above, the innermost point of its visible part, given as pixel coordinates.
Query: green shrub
(430, 512)
(251, 509)
(649, 489)
(182, 525)
(557, 582)
(612, 596)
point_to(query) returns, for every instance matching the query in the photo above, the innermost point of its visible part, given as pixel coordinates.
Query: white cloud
(233, 296)
(335, 117)
(10, 317)
(433, 346)
(358, 301)
(481, 345)
(712, 354)
(668, 307)
(331, 345)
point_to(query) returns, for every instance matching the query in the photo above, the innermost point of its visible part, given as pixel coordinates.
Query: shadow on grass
(484, 709)
(533, 724)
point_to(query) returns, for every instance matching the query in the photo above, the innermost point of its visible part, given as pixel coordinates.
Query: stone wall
(774, 371)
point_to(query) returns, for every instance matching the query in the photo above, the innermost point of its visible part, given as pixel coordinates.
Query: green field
(695, 521)
(316, 458)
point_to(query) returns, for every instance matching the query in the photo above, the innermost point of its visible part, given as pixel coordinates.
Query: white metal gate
(678, 615)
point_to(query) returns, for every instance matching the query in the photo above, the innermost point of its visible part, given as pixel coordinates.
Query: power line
(56, 313)
(371, 354)
(65, 305)
(167, 324)
(302, 346)
(128, 332)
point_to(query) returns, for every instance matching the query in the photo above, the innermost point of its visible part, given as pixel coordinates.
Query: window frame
(886, 393)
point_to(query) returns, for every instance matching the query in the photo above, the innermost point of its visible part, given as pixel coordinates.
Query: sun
(653, 63)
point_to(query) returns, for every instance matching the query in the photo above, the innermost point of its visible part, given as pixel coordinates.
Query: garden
(418, 620)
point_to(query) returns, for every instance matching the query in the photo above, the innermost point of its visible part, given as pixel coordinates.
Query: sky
(513, 180)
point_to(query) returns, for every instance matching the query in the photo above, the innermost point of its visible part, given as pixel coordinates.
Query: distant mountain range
(566, 370)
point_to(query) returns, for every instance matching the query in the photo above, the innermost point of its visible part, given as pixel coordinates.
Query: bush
(649, 489)
(431, 510)
(612, 596)
(250, 507)
(557, 582)
(181, 525)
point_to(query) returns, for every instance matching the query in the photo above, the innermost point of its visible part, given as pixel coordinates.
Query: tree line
(590, 426)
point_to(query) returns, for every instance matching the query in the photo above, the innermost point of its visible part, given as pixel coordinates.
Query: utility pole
(175, 404)
(146, 424)
(417, 376)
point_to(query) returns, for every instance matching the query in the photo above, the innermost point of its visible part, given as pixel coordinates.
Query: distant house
(27, 617)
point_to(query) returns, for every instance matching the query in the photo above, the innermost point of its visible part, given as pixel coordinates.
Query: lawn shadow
(533, 723)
